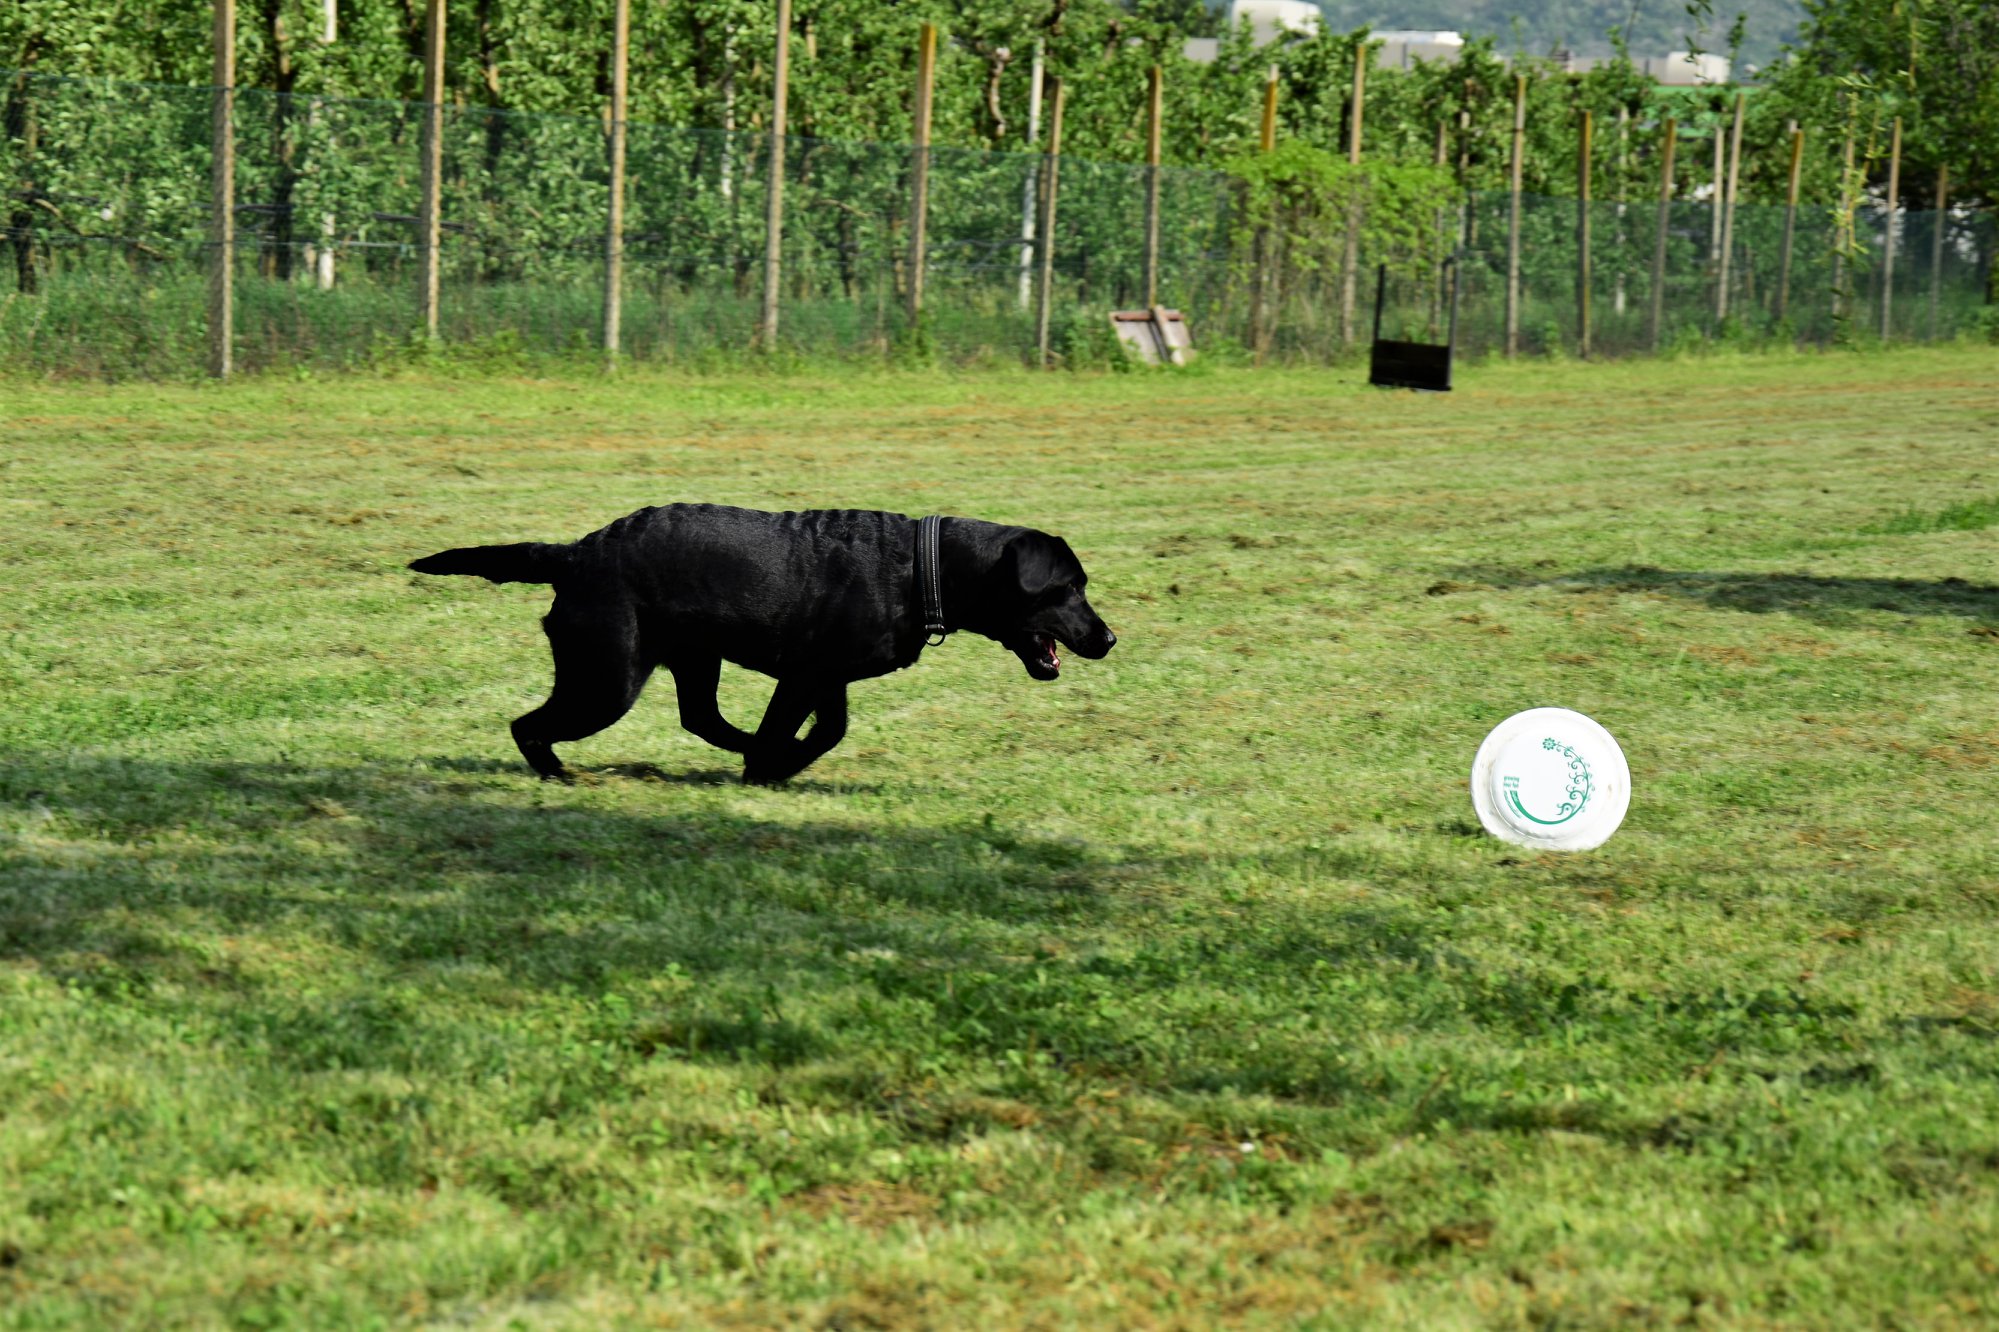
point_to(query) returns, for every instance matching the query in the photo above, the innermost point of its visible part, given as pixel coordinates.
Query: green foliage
(106, 186)
(1306, 197)
(708, 63)
(1861, 63)
(1987, 327)
(1084, 340)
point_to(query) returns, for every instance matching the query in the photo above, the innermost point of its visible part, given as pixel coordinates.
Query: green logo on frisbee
(1580, 787)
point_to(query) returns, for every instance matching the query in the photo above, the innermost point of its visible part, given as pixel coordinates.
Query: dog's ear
(1034, 561)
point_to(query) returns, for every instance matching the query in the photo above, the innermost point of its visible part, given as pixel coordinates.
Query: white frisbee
(1552, 780)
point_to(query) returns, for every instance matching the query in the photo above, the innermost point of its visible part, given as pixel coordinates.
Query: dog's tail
(522, 562)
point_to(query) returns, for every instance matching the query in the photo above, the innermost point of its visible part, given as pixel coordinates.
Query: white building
(1402, 48)
(1273, 19)
(1684, 69)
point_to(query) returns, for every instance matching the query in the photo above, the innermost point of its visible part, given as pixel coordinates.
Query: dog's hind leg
(695, 679)
(598, 675)
(778, 753)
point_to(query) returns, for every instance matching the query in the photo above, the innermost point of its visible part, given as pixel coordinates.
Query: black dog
(815, 600)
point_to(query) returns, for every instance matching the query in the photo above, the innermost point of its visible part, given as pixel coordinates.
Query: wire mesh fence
(1657, 277)
(107, 212)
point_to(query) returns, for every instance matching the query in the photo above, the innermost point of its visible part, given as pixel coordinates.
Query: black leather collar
(930, 578)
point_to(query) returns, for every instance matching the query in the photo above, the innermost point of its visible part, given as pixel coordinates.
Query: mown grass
(1970, 516)
(1183, 991)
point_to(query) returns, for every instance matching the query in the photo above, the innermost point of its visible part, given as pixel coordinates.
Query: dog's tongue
(1048, 645)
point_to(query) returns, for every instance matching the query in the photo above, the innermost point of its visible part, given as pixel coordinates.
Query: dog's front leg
(695, 679)
(829, 723)
(777, 753)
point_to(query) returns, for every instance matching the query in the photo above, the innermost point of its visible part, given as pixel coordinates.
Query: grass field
(1183, 991)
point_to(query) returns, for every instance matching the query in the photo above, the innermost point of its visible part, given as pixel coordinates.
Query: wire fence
(1657, 277)
(106, 215)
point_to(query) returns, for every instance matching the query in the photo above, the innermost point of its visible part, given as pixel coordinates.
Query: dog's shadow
(652, 772)
(585, 775)
(413, 894)
(438, 862)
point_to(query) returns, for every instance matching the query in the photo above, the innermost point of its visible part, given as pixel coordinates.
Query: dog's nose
(1110, 639)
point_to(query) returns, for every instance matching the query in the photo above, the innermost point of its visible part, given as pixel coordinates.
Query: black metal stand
(1412, 365)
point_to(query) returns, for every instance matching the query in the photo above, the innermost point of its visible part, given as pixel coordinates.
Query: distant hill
(1652, 27)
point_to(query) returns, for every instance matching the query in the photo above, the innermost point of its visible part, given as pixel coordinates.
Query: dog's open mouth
(1040, 657)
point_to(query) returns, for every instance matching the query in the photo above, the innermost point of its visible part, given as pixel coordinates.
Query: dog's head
(1038, 593)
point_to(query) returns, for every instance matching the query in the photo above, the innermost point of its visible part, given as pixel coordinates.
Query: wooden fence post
(774, 198)
(1843, 230)
(1350, 255)
(1936, 250)
(1582, 237)
(614, 223)
(1029, 188)
(1617, 241)
(1155, 110)
(1671, 132)
(919, 204)
(1720, 197)
(1660, 231)
(1260, 261)
(222, 195)
(329, 234)
(1437, 230)
(1267, 135)
(1894, 223)
(1051, 162)
(429, 219)
(1513, 216)
(1728, 215)
(1790, 223)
